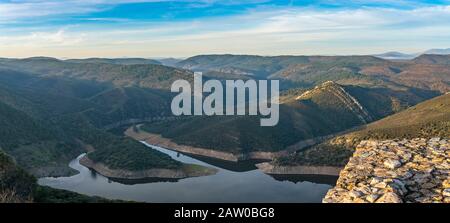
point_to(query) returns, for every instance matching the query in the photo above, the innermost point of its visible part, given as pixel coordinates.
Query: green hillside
(432, 74)
(56, 107)
(17, 186)
(427, 119)
(118, 106)
(304, 114)
(138, 75)
(34, 143)
(45, 119)
(114, 151)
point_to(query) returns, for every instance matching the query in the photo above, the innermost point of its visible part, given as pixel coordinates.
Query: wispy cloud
(267, 30)
(59, 38)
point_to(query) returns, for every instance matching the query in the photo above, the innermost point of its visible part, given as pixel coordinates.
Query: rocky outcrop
(342, 95)
(269, 168)
(395, 171)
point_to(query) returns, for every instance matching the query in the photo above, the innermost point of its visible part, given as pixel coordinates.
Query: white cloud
(59, 38)
(267, 32)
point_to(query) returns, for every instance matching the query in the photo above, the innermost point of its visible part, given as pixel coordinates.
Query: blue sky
(165, 28)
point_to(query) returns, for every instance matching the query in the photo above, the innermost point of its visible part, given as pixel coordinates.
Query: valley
(53, 110)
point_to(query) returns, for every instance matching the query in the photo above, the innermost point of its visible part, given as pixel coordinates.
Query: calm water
(240, 182)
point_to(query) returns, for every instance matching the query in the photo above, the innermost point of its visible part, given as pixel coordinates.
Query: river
(240, 182)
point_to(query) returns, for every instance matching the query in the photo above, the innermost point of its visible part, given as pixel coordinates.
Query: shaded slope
(322, 111)
(140, 75)
(45, 147)
(427, 119)
(17, 186)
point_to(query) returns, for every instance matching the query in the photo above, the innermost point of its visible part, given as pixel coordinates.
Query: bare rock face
(395, 171)
(389, 197)
(392, 164)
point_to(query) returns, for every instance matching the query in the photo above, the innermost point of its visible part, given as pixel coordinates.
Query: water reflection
(240, 183)
(320, 179)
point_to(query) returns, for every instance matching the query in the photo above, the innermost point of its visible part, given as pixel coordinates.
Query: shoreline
(266, 167)
(185, 172)
(158, 140)
(269, 168)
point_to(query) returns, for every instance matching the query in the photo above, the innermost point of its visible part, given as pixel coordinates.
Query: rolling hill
(327, 109)
(18, 186)
(433, 59)
(47, 121)
(137, 75)
(121, 61)
(427, 119)
(309, 71)
(79, 100)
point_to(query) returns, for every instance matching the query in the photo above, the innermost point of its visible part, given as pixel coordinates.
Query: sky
(167, 28)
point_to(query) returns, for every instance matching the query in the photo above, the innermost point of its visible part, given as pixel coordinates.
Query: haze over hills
(169, 61)
(393, 55)
(438, 51)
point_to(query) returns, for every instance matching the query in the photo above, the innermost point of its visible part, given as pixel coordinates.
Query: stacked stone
(395, 171)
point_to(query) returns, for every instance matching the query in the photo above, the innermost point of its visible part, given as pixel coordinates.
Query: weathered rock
(372, 198)
(446, 192)
(446, 183)
(392, 164)
(389, 198)
(395, 171)
(355, 194)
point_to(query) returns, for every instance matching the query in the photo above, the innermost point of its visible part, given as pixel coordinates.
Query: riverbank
(227, 186)
(158, 140)
(188, 170)
(269, 168)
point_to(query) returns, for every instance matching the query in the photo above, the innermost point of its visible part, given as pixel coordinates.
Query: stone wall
(395, 171)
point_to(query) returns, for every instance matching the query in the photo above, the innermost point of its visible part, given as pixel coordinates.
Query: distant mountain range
(122, 61)
(309, 71)
(405, 56)
(438, 51)
(169, 61)
(396, 56)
